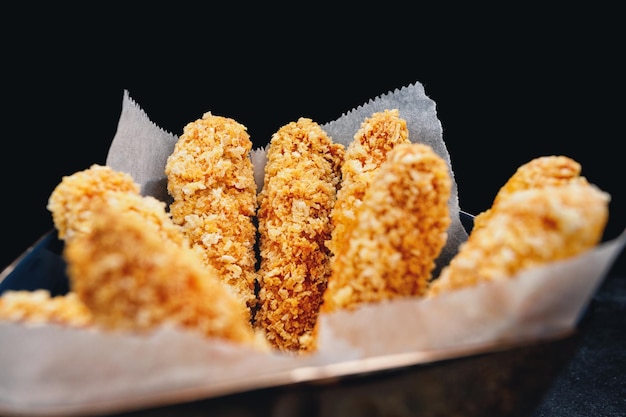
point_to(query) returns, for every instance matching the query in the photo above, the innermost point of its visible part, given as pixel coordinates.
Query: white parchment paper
(52, 370)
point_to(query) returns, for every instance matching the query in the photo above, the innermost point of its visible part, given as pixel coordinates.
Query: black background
(509, 85)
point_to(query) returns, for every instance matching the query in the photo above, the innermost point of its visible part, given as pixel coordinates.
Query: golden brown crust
(132, 279)
(528, 228)
(400, 229)
(39, 307)
(71, 200)
(299, 191)
(539, 172)
(210, 177)
(72, 203)
(377, 135)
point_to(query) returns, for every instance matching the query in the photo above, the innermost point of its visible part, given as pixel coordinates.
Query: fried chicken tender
(131, 279)
(71, 203)
(39, 307)
(377, 135)
(299, 191)
(528, 228)
(211, 179)
(399, 230)
(539, 172)
(71, 199)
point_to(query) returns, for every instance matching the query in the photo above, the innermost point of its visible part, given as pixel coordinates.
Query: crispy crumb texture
(71, 200)
(377, 135)
(337, 227)
(301, 179)
(210, 177)
(539, 172)
(72, 203)
(132, 279)
(528, 228)
(39, 307)
(400, 228)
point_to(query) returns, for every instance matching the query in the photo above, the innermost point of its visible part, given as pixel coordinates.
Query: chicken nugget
(399, 230)
(377, 135)
(211, 179)
(528, 228)
(539, 172)
(39, 307)
(131, 279)
(299, 191)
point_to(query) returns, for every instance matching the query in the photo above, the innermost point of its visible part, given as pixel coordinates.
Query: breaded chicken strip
(72, 198)
(377, 135)
(72, 205)
(539, 172)
(39, 307)
(210, 177)
(528, 228)
(399, 230)
(301, 179)
(71, 202)
(132, 279)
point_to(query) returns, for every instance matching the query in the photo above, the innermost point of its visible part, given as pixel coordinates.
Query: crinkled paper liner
(52, 370)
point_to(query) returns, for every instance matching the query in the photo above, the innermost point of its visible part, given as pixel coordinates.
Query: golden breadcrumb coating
(72, 198)
(539, 172)
(400, 229)
(211, 179)
(301, 179)
(528, 228)
(132, 279)
(72, 202)
(149, 210)
(377, 135)
(39, 307)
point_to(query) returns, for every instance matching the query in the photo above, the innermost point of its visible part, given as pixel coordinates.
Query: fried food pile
(332, 228)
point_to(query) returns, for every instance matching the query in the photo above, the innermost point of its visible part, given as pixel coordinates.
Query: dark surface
(594, 382)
